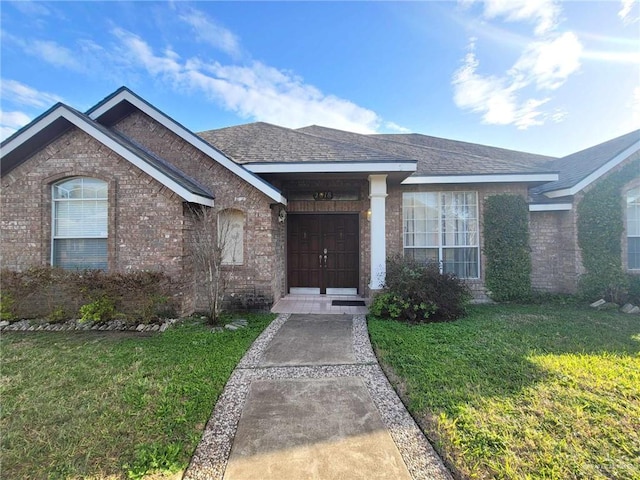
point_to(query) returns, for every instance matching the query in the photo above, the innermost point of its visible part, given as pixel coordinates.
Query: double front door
(322, 252)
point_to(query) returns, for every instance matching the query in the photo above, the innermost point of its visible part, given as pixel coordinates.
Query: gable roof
(580, 169)
(60, 118)
(123, 101)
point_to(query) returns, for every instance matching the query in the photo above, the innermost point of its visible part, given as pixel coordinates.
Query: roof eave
(592, 177)
(81, 122)
(481, 178)
(124, 94)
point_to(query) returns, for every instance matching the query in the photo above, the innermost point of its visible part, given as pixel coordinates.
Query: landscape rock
(599, 303)
(634, 310)
(231, 326)
(609, 306)
(4, 323)
(627, 307)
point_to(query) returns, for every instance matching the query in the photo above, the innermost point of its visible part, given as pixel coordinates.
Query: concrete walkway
(309, 401)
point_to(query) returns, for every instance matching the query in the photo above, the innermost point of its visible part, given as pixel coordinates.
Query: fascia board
(550, 207)
(589, 179)
(191, 138)
(31, 130)
(82, 124)
(494, 178)
(331, 167)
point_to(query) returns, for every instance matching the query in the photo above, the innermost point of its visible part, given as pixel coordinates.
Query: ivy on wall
(507, 252)
(600, 228)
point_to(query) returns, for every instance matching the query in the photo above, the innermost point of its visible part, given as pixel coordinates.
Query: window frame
(627, 232)
(54, 218)
(441, 232)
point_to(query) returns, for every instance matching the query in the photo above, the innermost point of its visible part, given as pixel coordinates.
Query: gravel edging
(211, 456)
(77, 325)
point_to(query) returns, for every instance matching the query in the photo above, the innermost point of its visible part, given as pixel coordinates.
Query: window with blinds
(443, 227)
(80, 224)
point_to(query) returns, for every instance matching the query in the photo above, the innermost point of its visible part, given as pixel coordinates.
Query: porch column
(377, 196)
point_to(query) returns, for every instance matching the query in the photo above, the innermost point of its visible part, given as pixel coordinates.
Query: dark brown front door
(322, 251)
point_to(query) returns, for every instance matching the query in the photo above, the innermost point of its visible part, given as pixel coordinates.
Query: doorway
(323, 253)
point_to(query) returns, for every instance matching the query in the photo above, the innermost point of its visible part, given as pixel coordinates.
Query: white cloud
(209, 31)
(629, 11)
(255, 90)
(549, 63)
(394, 127)
(512, 97)
(21, 94)
(494, 97)
(10, 122)
(544, 13)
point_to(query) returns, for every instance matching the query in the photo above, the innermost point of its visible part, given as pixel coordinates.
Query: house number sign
(322, 195)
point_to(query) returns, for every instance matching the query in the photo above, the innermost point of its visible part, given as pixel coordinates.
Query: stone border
(76, 325)
(210, 458)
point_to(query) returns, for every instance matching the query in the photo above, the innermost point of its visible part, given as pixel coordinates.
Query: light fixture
(369, 215)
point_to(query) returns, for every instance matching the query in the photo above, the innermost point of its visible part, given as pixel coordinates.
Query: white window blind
(80, 224)
(443, 227)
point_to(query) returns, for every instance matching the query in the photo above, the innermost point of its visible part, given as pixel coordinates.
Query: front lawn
(112, 405)
(523, 391)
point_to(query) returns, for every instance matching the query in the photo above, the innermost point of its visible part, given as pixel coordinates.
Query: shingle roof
(265, 143)
(439, 156)
(261, 142)
(576, 167)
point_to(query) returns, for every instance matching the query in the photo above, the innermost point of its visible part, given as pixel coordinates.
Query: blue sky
(534, 75)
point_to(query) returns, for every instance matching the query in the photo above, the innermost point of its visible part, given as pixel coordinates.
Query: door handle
(320, 258)
(325, 261)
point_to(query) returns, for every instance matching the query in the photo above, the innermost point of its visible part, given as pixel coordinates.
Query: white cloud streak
(10, 122)
(20, 94)
(210, 32)
(543, 13)
(629, 11)
(518, 96)
(254, 90)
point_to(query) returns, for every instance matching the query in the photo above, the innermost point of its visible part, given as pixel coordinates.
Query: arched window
(231, 236)
(633, 229)
(80, 224)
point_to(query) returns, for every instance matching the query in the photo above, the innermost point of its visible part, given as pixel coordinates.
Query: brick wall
(259, 280)
(555, 257)
(394, 217)
(145, 219)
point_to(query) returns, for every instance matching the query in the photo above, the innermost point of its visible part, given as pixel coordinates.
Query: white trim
(191, 138)
(615, 161)
(332, 167)
(492, 178)
(64, 112)
(550, 207)
(378, 226)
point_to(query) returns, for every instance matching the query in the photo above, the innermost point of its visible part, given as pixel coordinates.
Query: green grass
(112, 405)
(523, 392)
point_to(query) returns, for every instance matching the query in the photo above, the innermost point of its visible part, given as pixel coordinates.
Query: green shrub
(600, 228)
(100, 310)
(418, 292)
(634, 289)
(6, 307)
(507, 252)
(57, 294)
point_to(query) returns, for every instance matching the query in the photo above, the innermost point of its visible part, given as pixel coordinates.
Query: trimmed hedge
(59, 295)
(600, 229)
(506, 248)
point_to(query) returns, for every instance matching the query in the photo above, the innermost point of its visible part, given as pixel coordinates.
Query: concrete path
(309, 401)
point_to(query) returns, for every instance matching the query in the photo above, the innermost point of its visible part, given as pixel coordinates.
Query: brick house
(313, 210)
